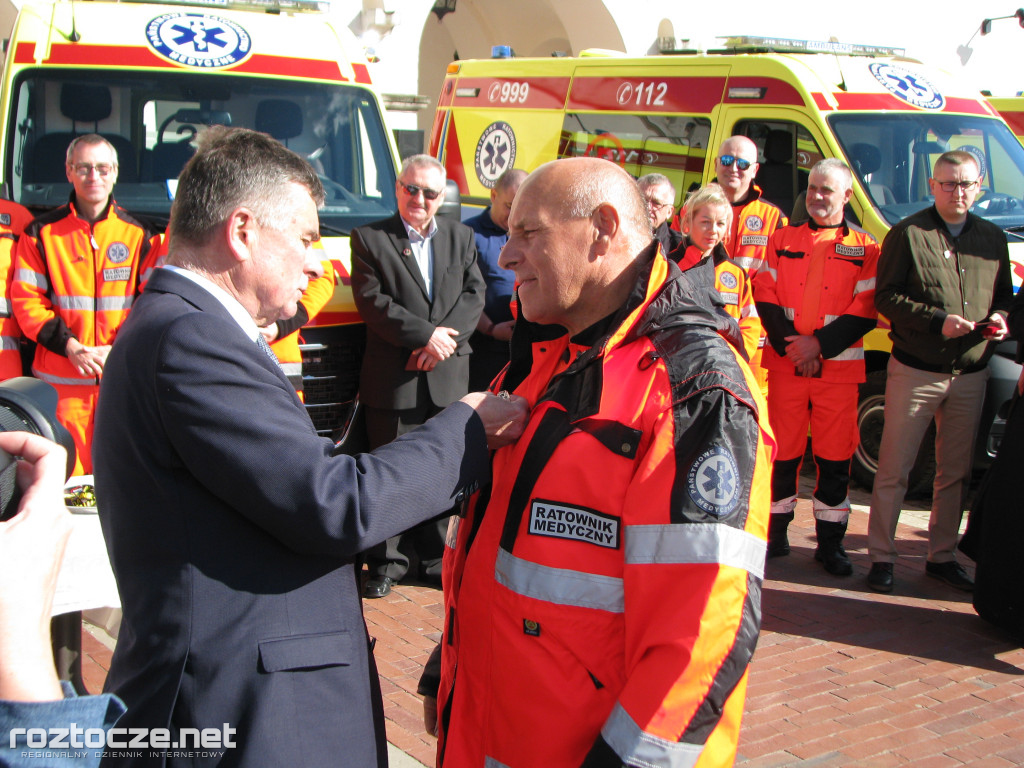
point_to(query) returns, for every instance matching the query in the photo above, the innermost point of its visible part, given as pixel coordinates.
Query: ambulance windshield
(152, 120)
(893, 154)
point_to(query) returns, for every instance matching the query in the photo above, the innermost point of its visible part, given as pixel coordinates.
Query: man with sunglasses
(944, 284)
(77, 270)
(754, 219)
(418, 288)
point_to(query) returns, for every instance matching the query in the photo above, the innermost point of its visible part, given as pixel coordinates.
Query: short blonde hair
(712, 194)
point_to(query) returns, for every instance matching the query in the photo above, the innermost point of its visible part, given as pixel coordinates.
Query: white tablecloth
(85, 579)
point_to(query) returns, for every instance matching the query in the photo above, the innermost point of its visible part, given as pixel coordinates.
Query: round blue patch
(118, 253)
(198, 40)
(754, 223)
(495, 153)
(713, 481)
(908, 85)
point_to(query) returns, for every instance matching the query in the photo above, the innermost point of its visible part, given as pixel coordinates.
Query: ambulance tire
(870, 421)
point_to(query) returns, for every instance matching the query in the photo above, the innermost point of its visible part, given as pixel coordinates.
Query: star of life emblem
(198, 40)
(713, 481)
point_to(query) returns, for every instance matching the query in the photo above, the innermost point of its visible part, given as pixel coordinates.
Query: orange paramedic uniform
(754, 220)
(76, 280)
(13, 220)
(821, 281)
(605, 607)
(735, 290)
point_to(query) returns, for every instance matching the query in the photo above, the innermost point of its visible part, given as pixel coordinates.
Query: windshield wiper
(333, 230)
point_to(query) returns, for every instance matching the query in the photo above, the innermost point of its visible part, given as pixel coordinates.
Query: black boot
(830, 550)
(778, 542)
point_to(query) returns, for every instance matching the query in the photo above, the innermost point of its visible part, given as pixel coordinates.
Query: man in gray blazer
(232, 530)
(418, 288)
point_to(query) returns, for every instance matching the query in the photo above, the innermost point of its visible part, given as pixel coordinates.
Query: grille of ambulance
(149, 77)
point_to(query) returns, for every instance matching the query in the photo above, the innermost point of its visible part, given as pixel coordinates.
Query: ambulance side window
(674, 145)
(786, 152)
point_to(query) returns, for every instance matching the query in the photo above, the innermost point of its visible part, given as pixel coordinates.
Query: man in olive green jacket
(944, 284)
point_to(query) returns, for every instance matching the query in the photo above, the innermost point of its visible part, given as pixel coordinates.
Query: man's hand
(31, 550)
(1000, 330)
(88, 361)
(442, 343)
(503, 331)
(803, 349)
(809, 369)
(423, 360)
(430, 715)
(504, 419)
(955, 326)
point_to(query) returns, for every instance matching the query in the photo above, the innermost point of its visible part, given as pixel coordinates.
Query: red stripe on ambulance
(510, 92)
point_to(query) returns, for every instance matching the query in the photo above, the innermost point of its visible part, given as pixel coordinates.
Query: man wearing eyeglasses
(660, 195)
(754, 219)
(418, 288)
(944, 283)
(77, 270)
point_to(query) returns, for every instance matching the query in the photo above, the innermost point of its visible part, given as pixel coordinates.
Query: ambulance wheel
(870, 421)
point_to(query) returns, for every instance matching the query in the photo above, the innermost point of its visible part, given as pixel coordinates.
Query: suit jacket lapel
(400, 240)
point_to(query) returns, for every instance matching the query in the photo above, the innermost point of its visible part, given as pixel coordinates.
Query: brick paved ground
(842, 676)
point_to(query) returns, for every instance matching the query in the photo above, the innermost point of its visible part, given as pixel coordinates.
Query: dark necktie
(262, 344)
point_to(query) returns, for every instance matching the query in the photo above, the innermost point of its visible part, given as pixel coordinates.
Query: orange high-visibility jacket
(286, 345)
(819, 280)
(13, 220)
(735, 289)
(754, 220)
(76, 280)
(605, 607)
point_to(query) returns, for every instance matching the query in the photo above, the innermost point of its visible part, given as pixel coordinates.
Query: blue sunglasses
(728, 160)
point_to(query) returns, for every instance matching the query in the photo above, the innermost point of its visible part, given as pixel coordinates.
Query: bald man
(606, 603)
(754, 219)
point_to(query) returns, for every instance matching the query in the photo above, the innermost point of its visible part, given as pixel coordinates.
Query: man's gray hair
(87, 139)
(233, 168)
(423, 161)
(511, 177)
(656, 180)
(834, 165)
(588, 191)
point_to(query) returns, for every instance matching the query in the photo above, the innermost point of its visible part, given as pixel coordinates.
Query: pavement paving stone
(842, 676)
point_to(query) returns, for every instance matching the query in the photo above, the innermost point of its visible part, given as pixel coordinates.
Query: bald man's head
(735, 167)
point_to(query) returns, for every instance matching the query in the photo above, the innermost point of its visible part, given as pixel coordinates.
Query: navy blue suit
(233, 535)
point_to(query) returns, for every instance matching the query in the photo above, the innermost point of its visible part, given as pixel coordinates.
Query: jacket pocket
(306, 651)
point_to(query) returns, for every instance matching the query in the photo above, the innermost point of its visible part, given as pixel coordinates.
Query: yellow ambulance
(1011, 109)
(887, 116)
(149, 77)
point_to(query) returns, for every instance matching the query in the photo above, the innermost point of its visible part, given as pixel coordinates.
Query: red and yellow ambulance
(150, 76)
(889, 117)
(1011, 109)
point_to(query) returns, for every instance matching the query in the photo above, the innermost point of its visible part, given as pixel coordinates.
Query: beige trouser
(912, 399)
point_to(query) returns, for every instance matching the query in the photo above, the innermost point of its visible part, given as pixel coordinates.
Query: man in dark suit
(232, 530)
(417, 285)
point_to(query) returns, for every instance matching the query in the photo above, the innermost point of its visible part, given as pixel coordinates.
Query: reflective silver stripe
(829, 318)
(31, 277)
(61, 380)
(5, 308)
(83, 303)
(864, 285)
(789, 312)
(113, 303)
(291, 369)
(9, 342)
(635, 747)
(749, 311)
(695, 544)
(559, 585)
(747, 262)
(490, 762)
(773, 272)
(853, 353)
